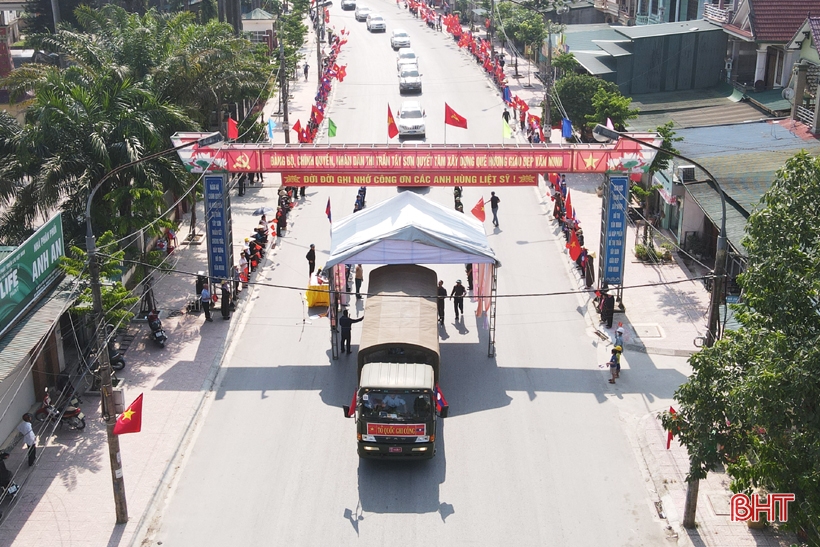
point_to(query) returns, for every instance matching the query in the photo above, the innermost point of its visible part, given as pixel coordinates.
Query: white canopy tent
(409, 229)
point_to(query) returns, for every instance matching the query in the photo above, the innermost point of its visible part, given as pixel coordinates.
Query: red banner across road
(433, 165)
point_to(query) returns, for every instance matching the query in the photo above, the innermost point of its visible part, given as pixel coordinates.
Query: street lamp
(106, 388)
(604, 133)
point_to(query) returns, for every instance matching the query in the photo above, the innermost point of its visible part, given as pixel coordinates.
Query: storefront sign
(218, 224)
(613, 231)
(29, 269)
(397, 430)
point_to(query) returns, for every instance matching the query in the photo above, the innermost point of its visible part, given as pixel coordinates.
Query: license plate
(395, 449)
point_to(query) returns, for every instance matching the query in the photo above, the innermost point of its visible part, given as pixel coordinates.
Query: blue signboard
(613, 233)
(218, 224)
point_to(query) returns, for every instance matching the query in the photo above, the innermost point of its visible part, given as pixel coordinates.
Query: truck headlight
(369, 438)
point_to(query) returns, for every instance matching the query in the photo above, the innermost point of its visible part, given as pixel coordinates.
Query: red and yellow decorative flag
(392, 130)
(452, 118)
(233, 130)
(478, 210)
(130, 421)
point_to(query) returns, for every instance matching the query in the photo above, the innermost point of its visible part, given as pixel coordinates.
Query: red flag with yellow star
(130, 421)
(392, 130)
(478, 210)
(574, 246)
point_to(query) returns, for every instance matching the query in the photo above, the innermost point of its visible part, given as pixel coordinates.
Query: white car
(361, 12)
(376, 23)
(410, 120)
(406, 56)
(348, 5)
(409, 79)
(399, 38)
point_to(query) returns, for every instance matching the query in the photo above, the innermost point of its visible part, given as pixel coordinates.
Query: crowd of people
(330, 70)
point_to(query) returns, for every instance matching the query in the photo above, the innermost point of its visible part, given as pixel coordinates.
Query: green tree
(668, 140)
(577, 92)
(611, 105)
(565, 63)
(752, 399)
(116, 299)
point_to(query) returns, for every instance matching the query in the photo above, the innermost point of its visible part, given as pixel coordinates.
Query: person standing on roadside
(225, 305)
(506, 116)
(359, 278)
(347, 323)
(205, 302)
(29, 438)
(457, 294)
(494, 201)
(306, 69)
(619, 337)
(311, 258)
(615, 364)
(442, 294)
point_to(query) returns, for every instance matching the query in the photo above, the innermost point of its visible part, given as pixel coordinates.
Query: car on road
(376, 23)
(409, 79)
(406, 56)
(348, 5)
(410, 120)
(361, 12)
(399, 38)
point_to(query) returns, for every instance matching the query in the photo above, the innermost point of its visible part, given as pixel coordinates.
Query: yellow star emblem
(591, 161)
(127, 414)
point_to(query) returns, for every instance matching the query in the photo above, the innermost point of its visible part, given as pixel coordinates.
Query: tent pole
(332, 314)
(493, 294)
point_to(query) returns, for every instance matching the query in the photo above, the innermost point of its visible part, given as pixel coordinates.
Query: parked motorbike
(70, 414)
(116, 358)
(157, 332)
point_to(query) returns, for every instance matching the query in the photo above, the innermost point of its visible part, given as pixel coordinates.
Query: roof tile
(778, 20)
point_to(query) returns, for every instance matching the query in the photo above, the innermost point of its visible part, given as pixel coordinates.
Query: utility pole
(548, 86)
(283, 89)
(719, 273)
(55, 13)
(320, 25)
(492, 28)
(107, 390)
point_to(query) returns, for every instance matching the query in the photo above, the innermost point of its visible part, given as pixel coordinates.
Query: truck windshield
(397, 405)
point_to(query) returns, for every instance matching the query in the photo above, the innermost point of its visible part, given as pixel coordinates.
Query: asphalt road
(534, 451)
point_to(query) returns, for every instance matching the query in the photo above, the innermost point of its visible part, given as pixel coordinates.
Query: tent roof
(408, 229)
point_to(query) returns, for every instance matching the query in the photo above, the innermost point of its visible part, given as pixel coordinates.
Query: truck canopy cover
(408, 229)
(397, 376)
(397, 329)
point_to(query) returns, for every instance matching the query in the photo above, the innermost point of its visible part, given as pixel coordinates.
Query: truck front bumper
(406, 451)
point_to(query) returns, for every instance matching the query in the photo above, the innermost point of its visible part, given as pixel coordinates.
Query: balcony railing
(806, 115)
(713, 13)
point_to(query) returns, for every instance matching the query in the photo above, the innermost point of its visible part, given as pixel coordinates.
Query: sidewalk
(66, 499)
(661, 319)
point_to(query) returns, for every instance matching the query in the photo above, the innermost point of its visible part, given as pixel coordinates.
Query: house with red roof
(802, 89)
(760, 32)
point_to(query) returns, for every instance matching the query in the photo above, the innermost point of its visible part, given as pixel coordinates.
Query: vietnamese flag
(233, 130)
(392, 130)
(670, 434)
(574, 246)
(451, 118)
(342, 73)
(568, 207)
(130, 421)
(317, 115)
(478, 210)
(297, 127)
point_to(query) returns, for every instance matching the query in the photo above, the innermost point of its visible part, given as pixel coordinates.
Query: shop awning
(18, 343)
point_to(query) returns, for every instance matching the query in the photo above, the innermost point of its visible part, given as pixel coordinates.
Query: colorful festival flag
(327, 211)
(331, 128)
(508, 132)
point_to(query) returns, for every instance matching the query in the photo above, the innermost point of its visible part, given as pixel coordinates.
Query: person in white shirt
(392, 401)
(29, 438)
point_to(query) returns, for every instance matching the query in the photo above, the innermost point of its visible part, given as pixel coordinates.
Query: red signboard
(429, 165)
(397, 430)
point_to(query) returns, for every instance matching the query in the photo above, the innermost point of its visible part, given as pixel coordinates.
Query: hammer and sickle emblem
(242, 162)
